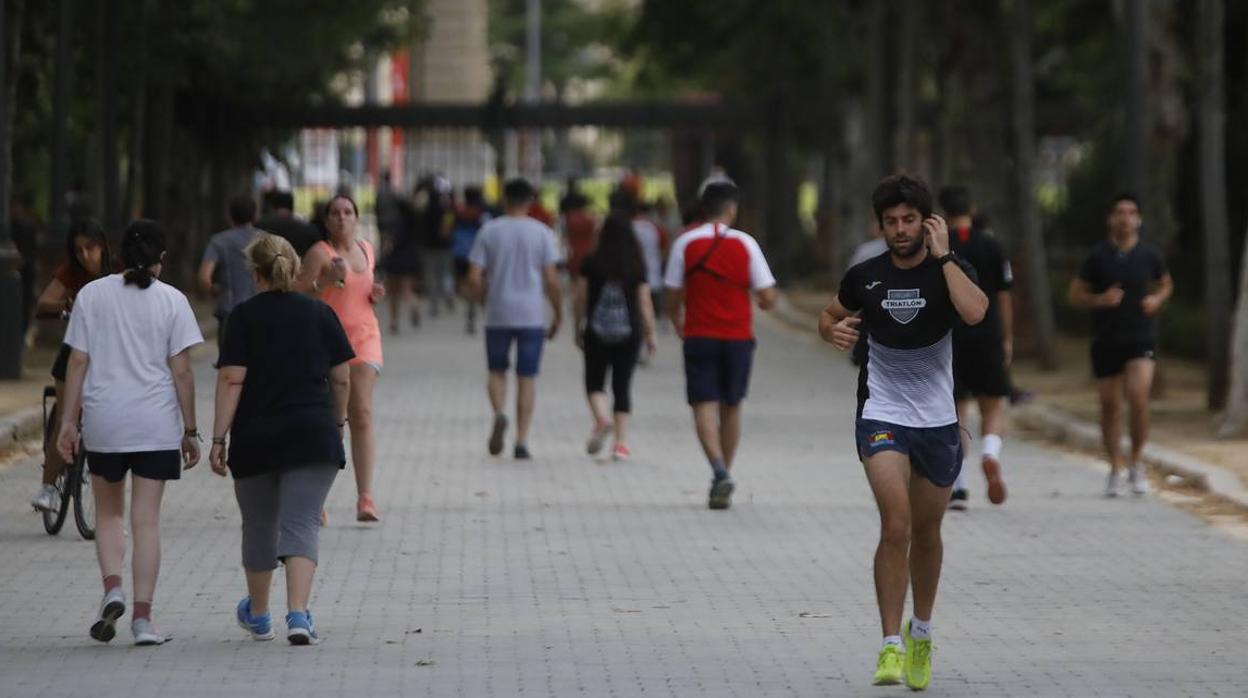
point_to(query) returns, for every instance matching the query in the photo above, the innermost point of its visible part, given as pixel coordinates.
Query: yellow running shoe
(917, 663)
(888, 668)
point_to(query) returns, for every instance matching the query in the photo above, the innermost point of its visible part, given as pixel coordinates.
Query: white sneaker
(111, 608)
(1114, 483)
(145, 634)
(1138, 478)
(46, 499)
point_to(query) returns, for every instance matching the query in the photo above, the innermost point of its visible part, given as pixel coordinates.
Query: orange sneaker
(996, 483)
(365, 509)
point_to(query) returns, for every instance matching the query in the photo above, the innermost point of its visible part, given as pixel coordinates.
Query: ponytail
(142, 247)
(274, 260)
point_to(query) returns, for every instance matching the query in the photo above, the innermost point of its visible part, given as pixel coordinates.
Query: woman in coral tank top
(339, 271)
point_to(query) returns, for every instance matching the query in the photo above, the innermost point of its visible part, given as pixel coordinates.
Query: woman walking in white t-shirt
(130, 374)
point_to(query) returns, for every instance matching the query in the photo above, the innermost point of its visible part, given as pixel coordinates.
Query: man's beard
(907, 251)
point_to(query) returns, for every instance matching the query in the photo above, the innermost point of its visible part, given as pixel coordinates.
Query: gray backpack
(610, 321)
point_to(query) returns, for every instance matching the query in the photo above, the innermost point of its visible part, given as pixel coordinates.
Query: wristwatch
(945, 258)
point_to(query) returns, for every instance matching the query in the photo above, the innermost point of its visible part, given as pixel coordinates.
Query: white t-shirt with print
(128, 334)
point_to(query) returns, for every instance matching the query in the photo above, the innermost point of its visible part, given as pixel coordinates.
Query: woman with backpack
(614, 315)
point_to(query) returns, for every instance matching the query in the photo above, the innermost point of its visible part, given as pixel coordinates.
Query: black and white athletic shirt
(908, 377)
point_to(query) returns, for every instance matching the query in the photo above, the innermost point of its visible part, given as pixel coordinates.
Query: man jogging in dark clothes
(711, 275)
(981, 353)
(907, 425)
(1124, 282)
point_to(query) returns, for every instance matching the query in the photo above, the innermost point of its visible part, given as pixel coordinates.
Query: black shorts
(153, 465)
(1110, 358)
(61, 366)
(935, 453)
(979, 369)
(461, 268)
(717, 370)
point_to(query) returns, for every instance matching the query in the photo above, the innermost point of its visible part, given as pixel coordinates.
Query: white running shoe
(46, 499)
(111, 608)
(146, 634)
(1114, 484)
(1137, 476)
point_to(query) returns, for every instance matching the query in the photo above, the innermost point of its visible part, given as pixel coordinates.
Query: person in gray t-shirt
(223, 273)
(512, 269)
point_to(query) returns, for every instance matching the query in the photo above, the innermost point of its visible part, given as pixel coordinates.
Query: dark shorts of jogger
(717, 370)
(528, 341)
(153, 465)
(979, 369)
(935, 453)
(1110, 359)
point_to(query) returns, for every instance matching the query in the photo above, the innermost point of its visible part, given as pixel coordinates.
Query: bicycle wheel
(84, 499)
(53, 519)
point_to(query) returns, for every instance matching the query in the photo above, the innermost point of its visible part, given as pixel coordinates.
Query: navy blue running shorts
(528, 341)
(935, 452)
(717, 370)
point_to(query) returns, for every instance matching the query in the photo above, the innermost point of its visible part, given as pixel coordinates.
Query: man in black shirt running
(907, 426)
(1124, 282)
(981, 353)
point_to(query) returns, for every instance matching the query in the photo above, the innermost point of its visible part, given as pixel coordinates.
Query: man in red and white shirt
(713, 274)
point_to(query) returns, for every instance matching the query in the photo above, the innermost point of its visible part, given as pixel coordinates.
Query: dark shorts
(153, 465)
(61, 365)
(1110, 359)
(935, 452)
(528, 342)
(717, 370)
(979, 369)
(461, 268)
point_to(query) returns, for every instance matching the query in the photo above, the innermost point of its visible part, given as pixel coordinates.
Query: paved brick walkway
(565, 577)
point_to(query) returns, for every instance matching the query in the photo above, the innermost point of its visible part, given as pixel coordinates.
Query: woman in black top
(282, 398)
(614, 314)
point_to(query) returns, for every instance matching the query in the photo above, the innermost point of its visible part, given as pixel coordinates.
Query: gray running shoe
(497, 433)
(145, 634)
(1113, 484)
(521, 452)
(111, 608)
(597, 438)
(721, 493)
(1137, 477)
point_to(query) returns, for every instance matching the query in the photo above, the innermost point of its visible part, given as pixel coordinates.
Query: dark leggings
(621, 358)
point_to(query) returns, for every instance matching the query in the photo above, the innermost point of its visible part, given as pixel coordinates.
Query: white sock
(892, 640)
(920, 629)
(992, 446)
(960, 483)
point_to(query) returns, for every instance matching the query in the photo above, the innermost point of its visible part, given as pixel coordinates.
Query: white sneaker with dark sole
(112, 607)
(145, 634)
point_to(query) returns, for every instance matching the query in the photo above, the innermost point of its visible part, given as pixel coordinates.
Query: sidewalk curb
(1066, 429)
(20, 427)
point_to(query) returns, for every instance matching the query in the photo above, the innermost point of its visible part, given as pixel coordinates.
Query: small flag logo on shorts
(882, 438)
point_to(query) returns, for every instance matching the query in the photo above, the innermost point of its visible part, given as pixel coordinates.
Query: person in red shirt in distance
(713, 274)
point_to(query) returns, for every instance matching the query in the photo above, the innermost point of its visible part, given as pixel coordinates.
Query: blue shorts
(717, 370)
(528, 341)
(935, 452)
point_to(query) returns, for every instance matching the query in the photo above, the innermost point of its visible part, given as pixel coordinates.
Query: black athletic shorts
(935, 453)
(979, 369)
(1110, 358)
(153, 465)
(61, 366)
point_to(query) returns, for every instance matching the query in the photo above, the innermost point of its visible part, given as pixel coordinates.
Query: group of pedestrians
(930, 318)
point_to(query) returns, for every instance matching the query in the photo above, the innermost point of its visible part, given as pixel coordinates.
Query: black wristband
(944, 258)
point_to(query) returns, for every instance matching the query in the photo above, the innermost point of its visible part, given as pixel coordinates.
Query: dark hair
(92, 230)
(355, 209)
(622, 200)
(955, 201)
(242, 210)
(142, 247)
(517, 192)
(1125, 196)
(474, 196)
(618, 255)
(898, 189)
(717, 196)
(282, 199)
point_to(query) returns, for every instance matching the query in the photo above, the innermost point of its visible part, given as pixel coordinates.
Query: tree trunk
(1213, 209)
(1236, 417)
(908, 55)
(878, 103)
(1028, 223)
(1131, 174)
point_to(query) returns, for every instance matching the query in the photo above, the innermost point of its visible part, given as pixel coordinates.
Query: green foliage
(577, 43)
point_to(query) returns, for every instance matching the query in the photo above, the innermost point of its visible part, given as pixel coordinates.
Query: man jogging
(907, 426)
(711, 274)
(981, 353)
(1124, 282)
(512, 269)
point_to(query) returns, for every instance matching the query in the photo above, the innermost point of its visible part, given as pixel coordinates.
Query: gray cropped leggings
(282, 514)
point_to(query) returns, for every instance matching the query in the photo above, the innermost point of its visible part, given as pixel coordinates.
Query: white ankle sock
(960, 483)
(992, 446)
(892, 640)
(920, 629)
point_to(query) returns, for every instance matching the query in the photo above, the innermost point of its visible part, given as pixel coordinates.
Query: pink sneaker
(621, 452)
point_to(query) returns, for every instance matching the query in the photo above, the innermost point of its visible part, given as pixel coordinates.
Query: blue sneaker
(260, 627)
(300, 630)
